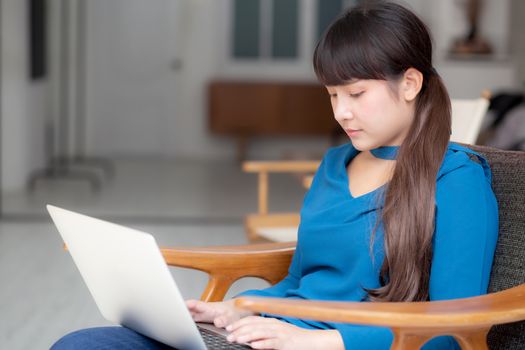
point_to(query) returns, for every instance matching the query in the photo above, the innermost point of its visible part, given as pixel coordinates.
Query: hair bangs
(345, 54)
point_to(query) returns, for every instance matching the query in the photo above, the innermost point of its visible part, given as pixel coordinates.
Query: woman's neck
(385, 152)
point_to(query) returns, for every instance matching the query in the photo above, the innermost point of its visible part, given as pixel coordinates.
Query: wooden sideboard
(244, 110)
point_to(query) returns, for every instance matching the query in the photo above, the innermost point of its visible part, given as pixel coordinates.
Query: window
(327, 11)
(269, 29)
(265, 28)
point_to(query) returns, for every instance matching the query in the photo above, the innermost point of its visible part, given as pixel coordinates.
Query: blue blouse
(333, 259)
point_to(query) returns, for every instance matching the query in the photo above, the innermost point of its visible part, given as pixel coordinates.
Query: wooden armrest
(297, 166)
(468, 319)
(226, 264)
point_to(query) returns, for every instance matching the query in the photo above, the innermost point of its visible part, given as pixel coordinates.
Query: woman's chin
(361, 146)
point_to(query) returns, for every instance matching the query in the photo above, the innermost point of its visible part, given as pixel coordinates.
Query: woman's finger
(244, 321)
(255, 328)
(190, 304)
(248, 334)
(265, 344)
(221, 321)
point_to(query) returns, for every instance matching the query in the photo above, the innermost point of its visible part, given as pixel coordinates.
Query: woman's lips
(352, 132)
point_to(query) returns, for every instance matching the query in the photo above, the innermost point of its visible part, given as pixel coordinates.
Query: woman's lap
(107, 338)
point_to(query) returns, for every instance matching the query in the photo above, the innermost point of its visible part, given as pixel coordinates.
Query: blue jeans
(107, 338)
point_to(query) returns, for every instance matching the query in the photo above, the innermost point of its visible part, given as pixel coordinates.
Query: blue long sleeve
(464, 244)
(466, 233)
(333, 260)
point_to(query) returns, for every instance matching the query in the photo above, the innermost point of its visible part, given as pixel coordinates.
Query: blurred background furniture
(66, 161)
(504, 125)
(467, 119)
(246, 109)
(274, 227)
(470, 320)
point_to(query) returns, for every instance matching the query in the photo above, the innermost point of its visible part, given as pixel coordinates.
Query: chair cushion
(278, 234)
(508, 270)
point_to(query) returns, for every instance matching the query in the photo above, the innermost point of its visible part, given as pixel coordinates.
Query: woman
(397, 214)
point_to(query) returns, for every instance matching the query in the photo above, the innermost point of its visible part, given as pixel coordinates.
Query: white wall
(197, 49)
(468, 79)
(204, 49)
(204, 52)
(517, 30)
(24, 104)
(447, 21)
(203, 46)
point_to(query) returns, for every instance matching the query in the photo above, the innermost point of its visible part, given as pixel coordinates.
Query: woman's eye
(332, 95)
(357, 94)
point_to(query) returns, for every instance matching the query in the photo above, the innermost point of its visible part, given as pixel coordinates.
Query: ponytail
(408, 215)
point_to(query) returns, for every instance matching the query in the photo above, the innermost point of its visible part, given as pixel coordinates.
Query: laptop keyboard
(217, 342)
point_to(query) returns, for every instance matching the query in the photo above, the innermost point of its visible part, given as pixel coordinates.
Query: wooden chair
(467, 118)
(473, 321)
(276, 227)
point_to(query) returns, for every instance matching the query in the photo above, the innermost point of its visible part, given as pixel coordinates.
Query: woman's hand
(220, 314)
(270, 333)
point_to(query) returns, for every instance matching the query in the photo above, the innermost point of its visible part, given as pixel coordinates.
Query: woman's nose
(342, 111)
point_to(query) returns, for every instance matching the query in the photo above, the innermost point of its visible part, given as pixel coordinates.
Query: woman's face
(371, 112)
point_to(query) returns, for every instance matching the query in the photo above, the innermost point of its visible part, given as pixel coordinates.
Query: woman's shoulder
(337, 154)
(338, 151)
(462, 162)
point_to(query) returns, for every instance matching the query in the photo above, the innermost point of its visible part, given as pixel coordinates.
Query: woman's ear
(412, 83)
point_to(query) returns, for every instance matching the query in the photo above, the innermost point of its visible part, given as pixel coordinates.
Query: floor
(174, 191)
(42, 295)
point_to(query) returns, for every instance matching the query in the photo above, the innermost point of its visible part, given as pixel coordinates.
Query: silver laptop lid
(128, 278)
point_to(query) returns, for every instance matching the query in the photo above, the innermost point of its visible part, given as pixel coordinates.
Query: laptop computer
(131, 284)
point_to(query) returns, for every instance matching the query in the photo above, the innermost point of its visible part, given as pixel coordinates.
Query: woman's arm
(465, 236)
(291, 281)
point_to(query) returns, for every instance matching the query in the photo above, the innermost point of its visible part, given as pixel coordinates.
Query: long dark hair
(381, 40)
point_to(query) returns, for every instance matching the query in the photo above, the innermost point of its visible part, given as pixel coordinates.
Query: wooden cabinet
(261, 109)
